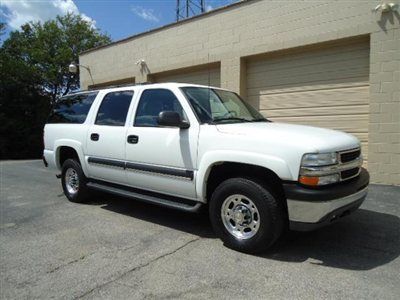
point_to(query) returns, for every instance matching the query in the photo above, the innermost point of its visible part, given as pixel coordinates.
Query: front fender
(273, 163)
(77, 146)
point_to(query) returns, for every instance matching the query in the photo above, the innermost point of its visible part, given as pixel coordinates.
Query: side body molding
(208, 160)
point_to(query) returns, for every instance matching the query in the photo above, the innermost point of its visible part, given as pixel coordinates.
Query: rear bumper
(309, 209)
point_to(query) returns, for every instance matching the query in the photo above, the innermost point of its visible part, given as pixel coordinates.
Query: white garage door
(326, 87)
(208, 76)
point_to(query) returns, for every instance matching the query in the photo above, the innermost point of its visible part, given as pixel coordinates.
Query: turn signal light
(307, 180)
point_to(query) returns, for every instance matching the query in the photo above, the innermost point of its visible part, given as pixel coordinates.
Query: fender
(273, 163)
(77, 146)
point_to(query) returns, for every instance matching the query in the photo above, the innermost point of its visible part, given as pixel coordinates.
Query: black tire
(272, 217)
(82, 193)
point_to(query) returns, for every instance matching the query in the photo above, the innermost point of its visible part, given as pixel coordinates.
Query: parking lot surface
(117, 248)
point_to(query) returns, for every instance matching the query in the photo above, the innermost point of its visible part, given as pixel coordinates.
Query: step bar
(153, 199)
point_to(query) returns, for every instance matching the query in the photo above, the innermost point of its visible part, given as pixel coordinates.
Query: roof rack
(108, 87)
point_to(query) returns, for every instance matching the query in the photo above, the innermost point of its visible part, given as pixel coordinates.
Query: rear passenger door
(106, 138)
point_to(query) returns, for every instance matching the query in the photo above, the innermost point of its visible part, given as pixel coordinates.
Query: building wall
(233, 35)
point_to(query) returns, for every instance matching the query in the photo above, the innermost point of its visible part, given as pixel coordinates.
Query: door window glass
(154, 101)
(114, 108)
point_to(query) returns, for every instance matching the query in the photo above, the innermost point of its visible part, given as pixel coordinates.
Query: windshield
(218, 106)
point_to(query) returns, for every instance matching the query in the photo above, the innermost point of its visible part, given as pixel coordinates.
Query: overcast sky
(119, 18)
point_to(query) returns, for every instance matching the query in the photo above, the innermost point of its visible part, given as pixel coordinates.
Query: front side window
(114, 108)
(154, 101)
(219, 106)
(72, 109)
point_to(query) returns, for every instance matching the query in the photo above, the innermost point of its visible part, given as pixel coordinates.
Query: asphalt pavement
(116, 248)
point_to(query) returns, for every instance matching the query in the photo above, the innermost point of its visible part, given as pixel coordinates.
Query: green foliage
(34, 73)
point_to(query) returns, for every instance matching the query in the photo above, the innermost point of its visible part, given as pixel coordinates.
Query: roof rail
(108, 87)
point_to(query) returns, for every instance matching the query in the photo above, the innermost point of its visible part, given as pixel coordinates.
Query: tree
(34, 73)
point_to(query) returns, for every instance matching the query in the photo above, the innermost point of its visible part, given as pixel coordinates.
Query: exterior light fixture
(73, 69)
(385, 7)
(141, 62)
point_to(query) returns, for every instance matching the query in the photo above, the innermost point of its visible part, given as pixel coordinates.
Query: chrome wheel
(71, 181)
(240, 216)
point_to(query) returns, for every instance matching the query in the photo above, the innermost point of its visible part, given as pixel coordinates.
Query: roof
(132, 37)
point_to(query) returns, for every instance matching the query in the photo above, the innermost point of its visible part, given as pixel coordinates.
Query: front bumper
(309, 208)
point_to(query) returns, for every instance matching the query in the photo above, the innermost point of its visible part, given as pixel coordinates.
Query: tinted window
(72, 109)
(154, 101)
(114, 108)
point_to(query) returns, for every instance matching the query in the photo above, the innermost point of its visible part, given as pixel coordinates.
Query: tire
(246, 215)
(75, 190)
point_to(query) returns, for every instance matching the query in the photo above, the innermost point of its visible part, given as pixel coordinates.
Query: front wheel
(246, 215)
(74, 181)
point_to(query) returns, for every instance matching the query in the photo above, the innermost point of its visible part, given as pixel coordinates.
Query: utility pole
(189, 8)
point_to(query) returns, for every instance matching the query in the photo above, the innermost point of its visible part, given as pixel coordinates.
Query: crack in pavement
(137, 268)
(69, 263)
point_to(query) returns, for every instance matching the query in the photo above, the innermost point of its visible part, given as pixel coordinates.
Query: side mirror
(172, 119)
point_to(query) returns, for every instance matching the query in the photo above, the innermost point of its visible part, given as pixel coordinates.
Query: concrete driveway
(117, 248)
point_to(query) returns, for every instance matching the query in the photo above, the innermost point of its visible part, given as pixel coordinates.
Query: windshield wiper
(231, 118)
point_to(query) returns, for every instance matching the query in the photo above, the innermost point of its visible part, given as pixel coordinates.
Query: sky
(118, 18)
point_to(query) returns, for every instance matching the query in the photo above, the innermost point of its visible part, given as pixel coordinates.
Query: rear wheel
(74, 181)
(246, 215)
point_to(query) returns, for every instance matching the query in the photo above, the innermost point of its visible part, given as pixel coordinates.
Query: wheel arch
(65, 149)
(220, 166)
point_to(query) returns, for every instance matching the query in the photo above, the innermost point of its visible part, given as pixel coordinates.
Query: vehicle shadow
(362, 241)
(193, 223)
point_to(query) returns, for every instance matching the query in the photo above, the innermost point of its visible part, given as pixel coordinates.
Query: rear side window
(114, 108)
(72, 109)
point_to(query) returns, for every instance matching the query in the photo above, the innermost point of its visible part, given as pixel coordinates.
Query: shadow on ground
(362, 241)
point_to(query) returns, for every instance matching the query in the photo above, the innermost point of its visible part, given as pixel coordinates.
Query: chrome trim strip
(150, 169)
(312, 212)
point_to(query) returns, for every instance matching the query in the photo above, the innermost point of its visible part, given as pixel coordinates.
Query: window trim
(101, 103)
(157, 126)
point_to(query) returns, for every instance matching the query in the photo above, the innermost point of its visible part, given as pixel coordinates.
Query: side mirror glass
(172, 119)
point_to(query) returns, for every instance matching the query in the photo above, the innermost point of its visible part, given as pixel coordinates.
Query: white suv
(186, 146)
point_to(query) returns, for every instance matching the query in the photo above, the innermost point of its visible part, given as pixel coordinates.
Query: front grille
(347, 174)
(349, 155)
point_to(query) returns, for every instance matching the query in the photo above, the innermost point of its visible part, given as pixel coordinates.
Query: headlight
(316, 169)
(319, 159)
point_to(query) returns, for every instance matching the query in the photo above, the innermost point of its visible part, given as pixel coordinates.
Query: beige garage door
(325, 86)
(205, 76)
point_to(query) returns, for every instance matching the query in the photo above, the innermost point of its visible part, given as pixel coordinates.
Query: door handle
(94, 136)
(132, 139)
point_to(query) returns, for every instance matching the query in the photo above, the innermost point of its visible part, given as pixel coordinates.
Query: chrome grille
(347, 174)
(347, 159)
(347, 156)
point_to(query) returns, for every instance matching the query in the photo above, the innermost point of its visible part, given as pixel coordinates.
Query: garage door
(326, 86)
(204, 76)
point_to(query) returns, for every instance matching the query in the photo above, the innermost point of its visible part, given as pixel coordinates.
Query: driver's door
(161, 159)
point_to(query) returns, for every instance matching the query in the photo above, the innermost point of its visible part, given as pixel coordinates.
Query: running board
(158, 200)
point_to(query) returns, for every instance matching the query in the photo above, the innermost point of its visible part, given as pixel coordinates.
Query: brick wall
(384, 126)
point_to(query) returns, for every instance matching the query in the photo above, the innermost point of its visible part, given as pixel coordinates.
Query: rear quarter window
(72, 109)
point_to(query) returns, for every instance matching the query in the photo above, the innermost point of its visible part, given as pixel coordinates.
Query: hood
(313, 139)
